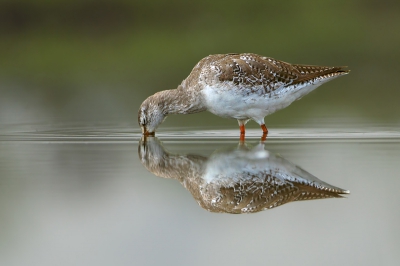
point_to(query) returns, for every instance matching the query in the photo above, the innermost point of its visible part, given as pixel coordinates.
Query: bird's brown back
(250, 70)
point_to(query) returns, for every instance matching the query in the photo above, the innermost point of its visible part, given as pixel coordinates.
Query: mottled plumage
(240, 86)
(241, 180)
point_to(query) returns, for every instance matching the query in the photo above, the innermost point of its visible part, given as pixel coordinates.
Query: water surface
(81, 196)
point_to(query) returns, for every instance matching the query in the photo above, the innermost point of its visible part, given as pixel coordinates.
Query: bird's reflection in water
(241, 180)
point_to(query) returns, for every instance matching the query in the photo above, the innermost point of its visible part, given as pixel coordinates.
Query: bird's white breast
(245, 103)
(253, 102)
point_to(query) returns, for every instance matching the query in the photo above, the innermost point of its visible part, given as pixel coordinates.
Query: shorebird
(238, 180)
(240, 86)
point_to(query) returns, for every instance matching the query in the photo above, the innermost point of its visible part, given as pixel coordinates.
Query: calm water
(83, 196)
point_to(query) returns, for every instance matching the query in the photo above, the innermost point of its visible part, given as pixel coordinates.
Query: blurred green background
(96, 61)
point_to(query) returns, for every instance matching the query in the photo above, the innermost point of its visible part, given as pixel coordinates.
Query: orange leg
(265, 132)
(242, 132)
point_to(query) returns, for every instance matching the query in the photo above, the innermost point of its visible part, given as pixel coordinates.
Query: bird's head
(150, 115)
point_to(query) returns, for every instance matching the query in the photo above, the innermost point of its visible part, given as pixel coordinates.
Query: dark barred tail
(308, 72)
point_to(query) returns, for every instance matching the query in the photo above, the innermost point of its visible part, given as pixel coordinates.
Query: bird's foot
(264, 137)
(242, 133)
(265, 133)
(264, 129)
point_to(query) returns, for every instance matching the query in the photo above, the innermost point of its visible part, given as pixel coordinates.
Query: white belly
(251, 103)
(241, 105)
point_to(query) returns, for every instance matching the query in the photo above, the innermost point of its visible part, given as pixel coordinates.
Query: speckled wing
(251, 70)
(254, 194)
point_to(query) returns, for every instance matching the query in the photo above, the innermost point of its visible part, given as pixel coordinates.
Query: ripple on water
(125, 132)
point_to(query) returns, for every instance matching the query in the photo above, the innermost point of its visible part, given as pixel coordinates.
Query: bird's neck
(167, 165)
(180, 101)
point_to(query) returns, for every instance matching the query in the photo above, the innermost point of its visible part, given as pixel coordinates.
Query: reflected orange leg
(265, 132)
(242, 132)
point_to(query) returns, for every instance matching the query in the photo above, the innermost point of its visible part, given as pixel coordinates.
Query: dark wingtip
(343, 70)
(345, 192)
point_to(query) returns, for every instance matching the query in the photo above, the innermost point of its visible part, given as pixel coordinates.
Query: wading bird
(240, 86)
